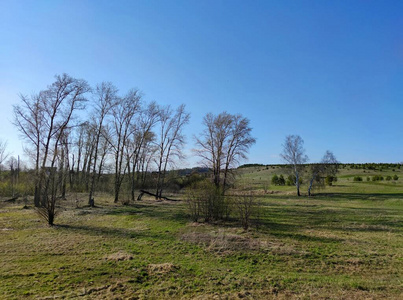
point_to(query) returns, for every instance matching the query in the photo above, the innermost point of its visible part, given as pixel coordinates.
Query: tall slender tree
(105, 100)
(122, 129)
(294, 154)
(170, 141)
(43, 120)
(143, 135)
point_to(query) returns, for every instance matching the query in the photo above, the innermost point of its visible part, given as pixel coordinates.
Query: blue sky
(330, 71)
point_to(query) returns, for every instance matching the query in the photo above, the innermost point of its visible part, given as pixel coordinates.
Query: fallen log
(142, 192)
(12, 199)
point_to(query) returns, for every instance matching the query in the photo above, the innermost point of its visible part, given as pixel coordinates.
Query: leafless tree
(147, 154)
(294, 154)
(3, 153)
(141, 138)
(239, 142)
(122, 130)
(105, 149)
(43, 120)
(327, 166)
(14, 167)
(170, 141)
(29, 118)
(106, 97)
(225, 140)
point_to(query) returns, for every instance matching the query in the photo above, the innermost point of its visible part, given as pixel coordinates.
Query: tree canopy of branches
(104, 102)
(139, 151)
(122, 131)
(225, 140)
(3, 153)
(43, 121)
(327, 166)
(171, 141)
(294, 154)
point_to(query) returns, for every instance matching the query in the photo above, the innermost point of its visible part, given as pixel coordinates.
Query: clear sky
(330, 71)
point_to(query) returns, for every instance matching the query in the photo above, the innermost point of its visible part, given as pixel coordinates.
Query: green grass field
(344, 243)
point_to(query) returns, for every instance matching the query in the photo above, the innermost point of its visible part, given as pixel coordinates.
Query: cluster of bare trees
(225, 140)
(122, 136)
(3, 153)
(44, 120)
(294, 155)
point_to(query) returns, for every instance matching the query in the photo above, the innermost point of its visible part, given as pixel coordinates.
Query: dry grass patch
(228, 242)
(155, 269)
(221, 241)
(119, 256)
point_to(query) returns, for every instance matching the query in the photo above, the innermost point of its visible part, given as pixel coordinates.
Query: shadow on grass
(164, 211)
(115, 232)
(289, 219)
(360, 196)
(283, 220)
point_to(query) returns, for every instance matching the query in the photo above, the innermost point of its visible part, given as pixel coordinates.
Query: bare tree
(105, 149)
(43, 120)
(142, 136)
(225, 140)
(327, 166)
(240, 140)
(3, 153)
(123, 114)
(147, 154)
(29, 118)
(106, 96)
(171, 141)
(294, 154)
(14, 167)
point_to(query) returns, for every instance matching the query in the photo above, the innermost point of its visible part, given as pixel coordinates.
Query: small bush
(377, 178)
(246, 207)
(357, 178)
(388, 178)
(281, 180)
(278, 180)
(206, 202)
(395, 177)
(330, 179)
(274, 179)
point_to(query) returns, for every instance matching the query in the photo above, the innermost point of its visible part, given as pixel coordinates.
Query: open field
(344, 243)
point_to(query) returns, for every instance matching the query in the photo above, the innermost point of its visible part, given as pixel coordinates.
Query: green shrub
(388, 178)
(330, 179)
(278, 180)
(377, 178)
(357, 178)
(395, 177)
(274, 179)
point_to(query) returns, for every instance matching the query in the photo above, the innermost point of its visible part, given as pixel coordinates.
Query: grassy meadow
(346, 242)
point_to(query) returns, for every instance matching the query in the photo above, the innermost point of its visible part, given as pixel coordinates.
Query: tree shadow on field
(160, 210)
(113, 232)
(360, 196)
(288, 220)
